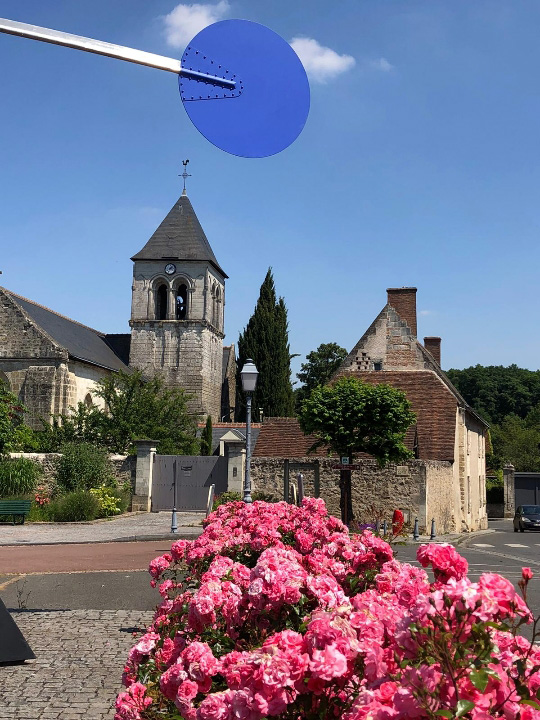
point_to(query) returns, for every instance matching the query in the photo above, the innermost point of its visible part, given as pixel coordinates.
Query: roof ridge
(64, 317)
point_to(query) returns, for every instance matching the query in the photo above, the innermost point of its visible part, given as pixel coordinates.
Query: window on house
(377, 365)
(234, 472)
(181, 302)
(88, 400)
(161, 302)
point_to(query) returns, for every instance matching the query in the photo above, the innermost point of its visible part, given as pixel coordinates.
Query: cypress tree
(266, 341)
(206, 437)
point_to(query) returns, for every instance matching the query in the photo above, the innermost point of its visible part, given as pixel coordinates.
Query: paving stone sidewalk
(132, 527)
(79, 659)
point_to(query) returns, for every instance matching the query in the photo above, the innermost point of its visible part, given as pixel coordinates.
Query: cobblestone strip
(77, 673)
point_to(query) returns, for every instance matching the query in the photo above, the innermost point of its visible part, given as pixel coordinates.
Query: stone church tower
(177, 309)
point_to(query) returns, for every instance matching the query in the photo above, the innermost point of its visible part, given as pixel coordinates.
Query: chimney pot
(403, 300)
(433, 346)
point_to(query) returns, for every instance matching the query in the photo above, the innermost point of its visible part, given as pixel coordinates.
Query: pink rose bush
(275, 611)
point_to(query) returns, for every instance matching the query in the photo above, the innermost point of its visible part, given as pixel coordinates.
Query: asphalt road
(110, 576)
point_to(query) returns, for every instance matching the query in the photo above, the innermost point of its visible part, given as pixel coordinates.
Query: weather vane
(185, 174)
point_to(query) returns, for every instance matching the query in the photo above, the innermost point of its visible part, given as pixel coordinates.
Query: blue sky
(419, 165)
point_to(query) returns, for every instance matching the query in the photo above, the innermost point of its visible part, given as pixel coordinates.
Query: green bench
(17, 510)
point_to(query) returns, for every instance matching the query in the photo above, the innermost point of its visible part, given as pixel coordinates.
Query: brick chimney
(403, 300)
(433, 345)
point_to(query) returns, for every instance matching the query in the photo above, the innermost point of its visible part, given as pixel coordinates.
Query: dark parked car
(527, 517)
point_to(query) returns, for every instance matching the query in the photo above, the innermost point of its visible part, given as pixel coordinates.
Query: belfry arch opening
(161, 302)
(181, 302)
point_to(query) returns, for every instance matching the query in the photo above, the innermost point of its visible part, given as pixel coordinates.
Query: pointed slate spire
(179, 237)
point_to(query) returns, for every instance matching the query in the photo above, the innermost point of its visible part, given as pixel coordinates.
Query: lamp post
(249, 375)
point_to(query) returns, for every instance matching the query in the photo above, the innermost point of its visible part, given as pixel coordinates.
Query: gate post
(509, 491)
(146, 450)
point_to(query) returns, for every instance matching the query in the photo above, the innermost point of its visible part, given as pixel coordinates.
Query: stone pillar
(146, 450)
(509, 491)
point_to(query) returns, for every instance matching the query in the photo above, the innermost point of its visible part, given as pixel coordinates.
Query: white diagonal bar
(78, 42)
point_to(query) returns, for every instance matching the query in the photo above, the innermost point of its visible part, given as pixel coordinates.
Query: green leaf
(479, 679)
(532, 703)
(444, 713)
(463, 707)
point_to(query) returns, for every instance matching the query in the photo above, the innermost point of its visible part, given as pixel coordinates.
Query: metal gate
(527, 488)
(194, 477)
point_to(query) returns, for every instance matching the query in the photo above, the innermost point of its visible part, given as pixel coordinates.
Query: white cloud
(185, 21)
(381, 64)
(427, 312)
(321, 63)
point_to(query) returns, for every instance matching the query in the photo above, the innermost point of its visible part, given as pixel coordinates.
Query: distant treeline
(508, 398)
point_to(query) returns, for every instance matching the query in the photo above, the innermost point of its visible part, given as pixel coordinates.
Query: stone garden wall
(376, 491)
(123, 465)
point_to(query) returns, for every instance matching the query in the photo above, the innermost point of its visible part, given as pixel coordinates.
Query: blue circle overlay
(267, 109)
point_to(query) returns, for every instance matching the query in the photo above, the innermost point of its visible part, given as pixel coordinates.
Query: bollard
(384, 528)
(432, 536)
(376, 527)
(416, 535)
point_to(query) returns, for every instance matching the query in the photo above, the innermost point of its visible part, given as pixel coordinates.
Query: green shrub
(109, 500)
(83, 466)
(235, 496)
(265, 496)
(225, 498)
(18, 476)
(73, 507)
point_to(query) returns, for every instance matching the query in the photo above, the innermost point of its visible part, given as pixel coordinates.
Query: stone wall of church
(187, 353)
(83, 379)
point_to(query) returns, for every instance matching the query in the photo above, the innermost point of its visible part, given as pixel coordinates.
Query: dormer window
(181, 302)
(161, 302)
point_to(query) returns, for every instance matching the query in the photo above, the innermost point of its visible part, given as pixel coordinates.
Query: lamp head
(249, 374)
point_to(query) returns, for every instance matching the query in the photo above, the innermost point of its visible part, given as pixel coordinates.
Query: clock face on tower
(170, 269)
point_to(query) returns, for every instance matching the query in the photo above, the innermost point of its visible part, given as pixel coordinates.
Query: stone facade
(419, 488)
(448, 438)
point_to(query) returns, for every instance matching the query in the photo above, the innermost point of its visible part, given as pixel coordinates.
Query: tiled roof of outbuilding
(179, 237)
(282, 437)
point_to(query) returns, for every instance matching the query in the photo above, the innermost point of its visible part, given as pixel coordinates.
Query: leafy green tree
(266, 341)
(206, 437)
(517, 441)
(351, 417)
(495, 391)
(319, 367)
(137, 407)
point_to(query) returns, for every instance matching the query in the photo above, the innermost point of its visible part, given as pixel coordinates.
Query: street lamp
(249, 375)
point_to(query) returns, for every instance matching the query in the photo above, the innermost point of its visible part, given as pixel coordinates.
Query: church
(52, 362)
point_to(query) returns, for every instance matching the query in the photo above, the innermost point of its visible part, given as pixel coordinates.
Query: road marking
(515, 545)
(484, 545)
(64, 572)
(13, 579)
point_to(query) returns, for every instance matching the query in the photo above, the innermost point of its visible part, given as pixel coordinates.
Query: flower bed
(281, 613)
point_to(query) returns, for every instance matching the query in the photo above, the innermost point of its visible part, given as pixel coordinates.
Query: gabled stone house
(446, 480)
